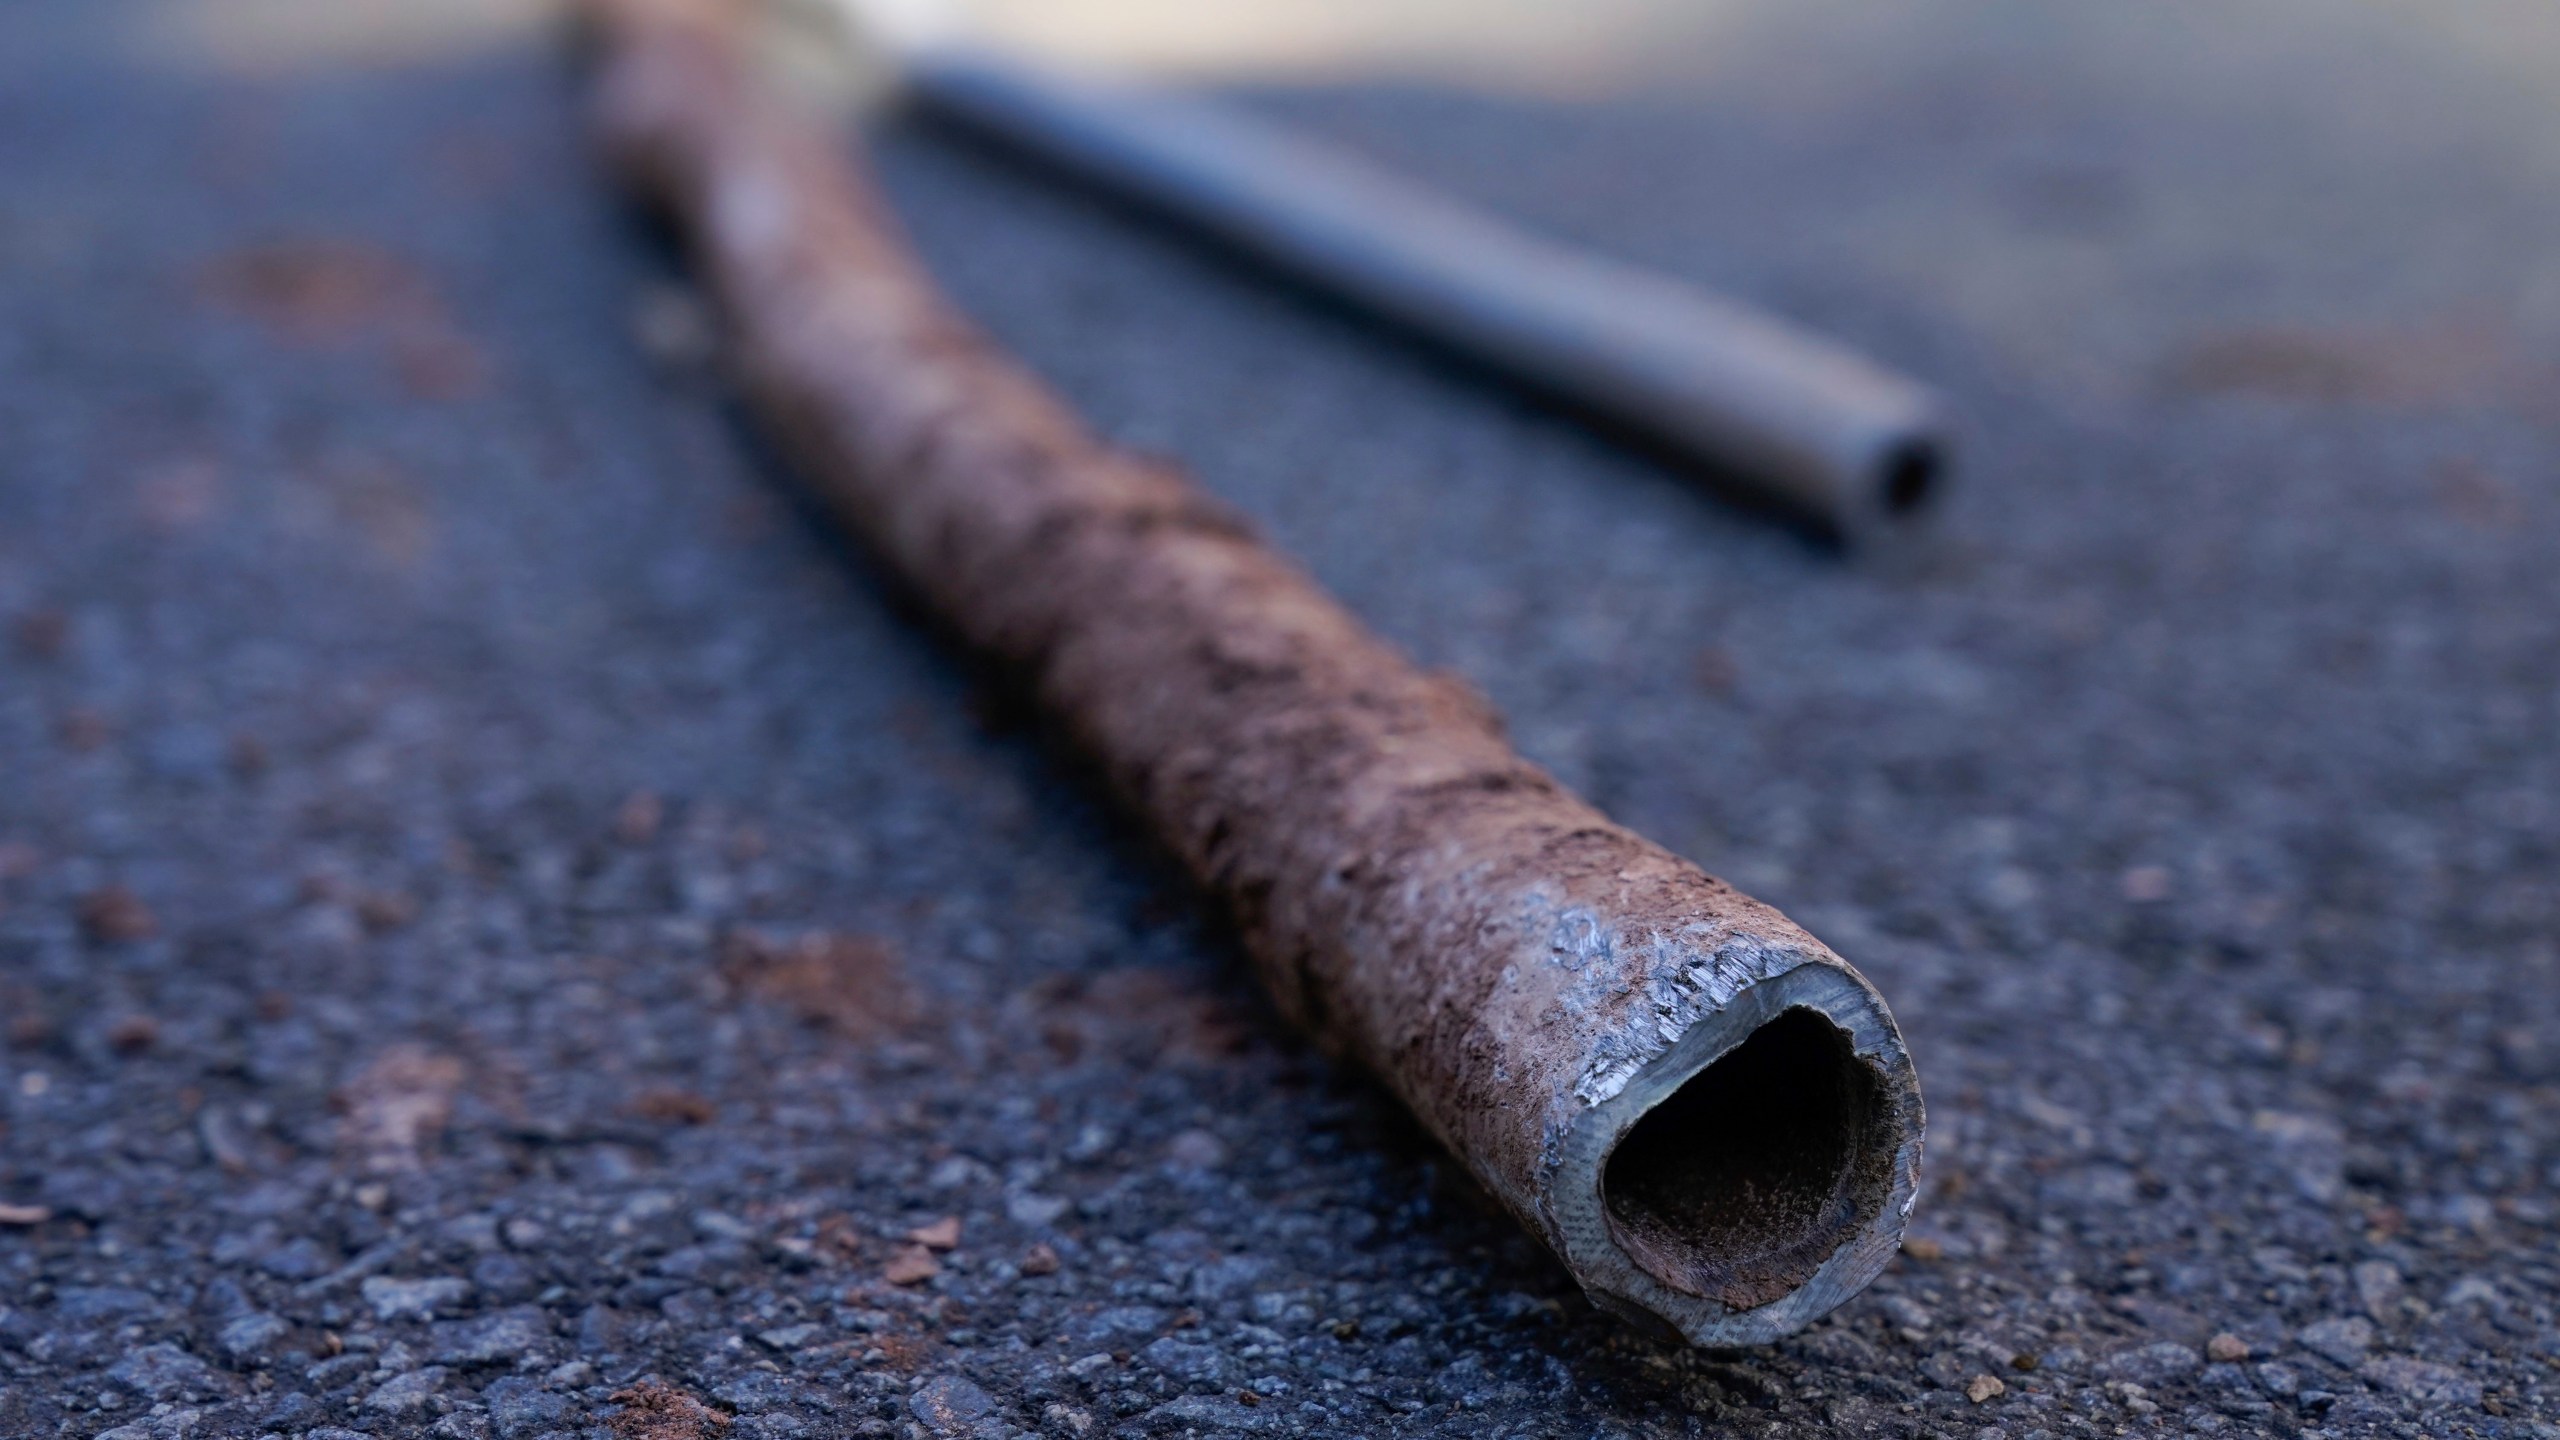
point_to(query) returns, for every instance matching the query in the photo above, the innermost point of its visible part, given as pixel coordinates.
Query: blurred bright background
(2114, 197)
(1533, 44)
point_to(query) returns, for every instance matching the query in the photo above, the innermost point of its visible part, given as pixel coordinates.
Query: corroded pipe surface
(1705, 1112)
(1763, 405)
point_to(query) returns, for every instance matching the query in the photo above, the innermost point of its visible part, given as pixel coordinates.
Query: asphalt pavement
(509, 928)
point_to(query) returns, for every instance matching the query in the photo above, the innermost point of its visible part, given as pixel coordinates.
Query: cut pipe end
(1907, 478)
(1885, 492)
(1757, 1173)
(1740, 1183)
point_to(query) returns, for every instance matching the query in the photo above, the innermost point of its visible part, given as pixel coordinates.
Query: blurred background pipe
(1755, 404)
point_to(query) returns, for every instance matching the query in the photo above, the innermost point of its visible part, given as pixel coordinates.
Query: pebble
(408, 1392)
(951, 1405)
(2378, 1285)
(115, 915)
(2342, 1340)
(2153, 1365)
(394, 1299)
(502, 1277)
(521, 1406)
(161, 1372)
(507, 1335)
(1229, 1277)
(2422, 1380)
(1214, 1415)
(165, 1423)
(1188, 1361)
(1032, 1210)
(249, 1336)
(1907, 1313)
(89, 1304)
(1116, 1327)
(1196, 1150)
(299, 1258)
(911, 1265)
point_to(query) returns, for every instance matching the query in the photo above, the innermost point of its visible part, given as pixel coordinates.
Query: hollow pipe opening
(1907, 477)
(1741, 1183)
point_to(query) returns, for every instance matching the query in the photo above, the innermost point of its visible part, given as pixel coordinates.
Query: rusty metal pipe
(1705, 1112)
(1760, 404)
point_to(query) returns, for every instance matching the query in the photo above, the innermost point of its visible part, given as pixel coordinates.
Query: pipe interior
(1742, 1182)
(1908, 478)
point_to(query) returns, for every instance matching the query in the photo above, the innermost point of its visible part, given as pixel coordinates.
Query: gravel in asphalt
(508, 929)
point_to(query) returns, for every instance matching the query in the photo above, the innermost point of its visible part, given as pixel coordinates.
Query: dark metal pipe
(1788, 415)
